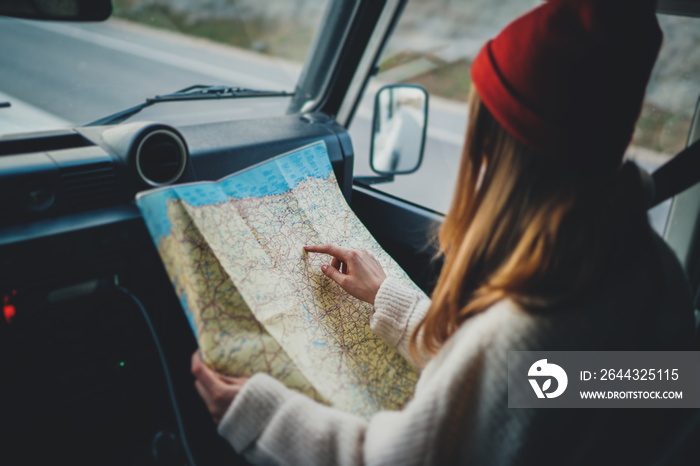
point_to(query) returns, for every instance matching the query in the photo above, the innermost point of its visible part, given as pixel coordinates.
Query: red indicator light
(9, 312)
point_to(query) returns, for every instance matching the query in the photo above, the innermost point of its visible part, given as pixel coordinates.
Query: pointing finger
(333, 250)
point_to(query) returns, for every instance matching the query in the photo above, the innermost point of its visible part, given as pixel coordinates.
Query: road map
(256, 301)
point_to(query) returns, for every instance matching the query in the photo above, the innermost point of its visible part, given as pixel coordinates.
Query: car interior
(94, 347)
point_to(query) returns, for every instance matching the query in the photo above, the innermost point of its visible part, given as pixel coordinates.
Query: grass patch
(274, 37)
(450, 80)
(399, 59)
(660, 130)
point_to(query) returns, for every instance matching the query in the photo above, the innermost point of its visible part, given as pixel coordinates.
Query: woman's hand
(217, 391)
(356, 271)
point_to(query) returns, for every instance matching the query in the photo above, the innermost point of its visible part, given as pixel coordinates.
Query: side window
(674, 88)
(434, 45)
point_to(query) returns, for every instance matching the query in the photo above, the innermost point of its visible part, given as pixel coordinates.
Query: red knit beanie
(568, 78)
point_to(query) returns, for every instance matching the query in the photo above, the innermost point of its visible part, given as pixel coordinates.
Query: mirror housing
(57, 10)
(399, 129)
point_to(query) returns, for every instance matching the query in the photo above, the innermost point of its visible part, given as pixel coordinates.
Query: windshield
(58, 74)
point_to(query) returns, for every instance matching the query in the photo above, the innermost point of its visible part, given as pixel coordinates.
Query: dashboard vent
(90, 186)
(161, 157)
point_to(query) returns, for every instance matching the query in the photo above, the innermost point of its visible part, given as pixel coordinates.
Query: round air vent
(161, 157)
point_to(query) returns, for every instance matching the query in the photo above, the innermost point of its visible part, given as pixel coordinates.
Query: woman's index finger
(333, 250)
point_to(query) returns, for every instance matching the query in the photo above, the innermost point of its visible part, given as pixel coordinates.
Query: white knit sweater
(460, 414)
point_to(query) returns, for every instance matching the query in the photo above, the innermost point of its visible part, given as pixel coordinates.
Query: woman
(546, 247)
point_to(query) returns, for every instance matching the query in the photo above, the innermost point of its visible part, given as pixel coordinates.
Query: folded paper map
(257, 302)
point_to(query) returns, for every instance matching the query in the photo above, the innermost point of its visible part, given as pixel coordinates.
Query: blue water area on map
(279, 175)
(276, 176)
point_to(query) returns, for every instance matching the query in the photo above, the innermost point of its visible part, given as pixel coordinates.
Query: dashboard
(74, 181)
(92, 336)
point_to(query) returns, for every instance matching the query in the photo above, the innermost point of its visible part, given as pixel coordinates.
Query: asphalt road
(62, 74)
(81, 72)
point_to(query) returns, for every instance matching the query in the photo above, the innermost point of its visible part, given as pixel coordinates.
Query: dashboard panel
(86, 179)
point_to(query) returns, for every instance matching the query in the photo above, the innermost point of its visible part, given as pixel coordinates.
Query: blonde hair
(523, 227)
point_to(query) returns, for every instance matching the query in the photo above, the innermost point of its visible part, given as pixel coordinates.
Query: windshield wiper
(197, 92)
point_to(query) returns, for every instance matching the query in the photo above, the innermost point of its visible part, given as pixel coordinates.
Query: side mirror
(65, 10)
(398, 129)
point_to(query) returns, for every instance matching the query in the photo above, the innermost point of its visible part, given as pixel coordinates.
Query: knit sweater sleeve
(271, 424)
(397, 311)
